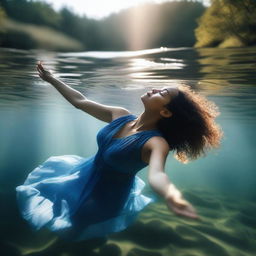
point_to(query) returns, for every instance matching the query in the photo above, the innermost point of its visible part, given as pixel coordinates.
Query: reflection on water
(37, 122)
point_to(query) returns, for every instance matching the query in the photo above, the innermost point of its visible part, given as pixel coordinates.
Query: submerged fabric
(82, 198)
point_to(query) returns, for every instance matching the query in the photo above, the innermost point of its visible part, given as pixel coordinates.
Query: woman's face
(156, 99)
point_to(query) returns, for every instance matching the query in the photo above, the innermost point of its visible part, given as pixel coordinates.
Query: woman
(84, 198)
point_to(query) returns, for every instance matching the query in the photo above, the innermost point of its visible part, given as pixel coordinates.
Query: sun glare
(143, 23)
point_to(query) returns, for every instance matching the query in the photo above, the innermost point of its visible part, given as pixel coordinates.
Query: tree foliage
(34, 12)
(226, 19)
(2, 15)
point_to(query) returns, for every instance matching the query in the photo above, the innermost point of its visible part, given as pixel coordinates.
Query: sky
(98, 9)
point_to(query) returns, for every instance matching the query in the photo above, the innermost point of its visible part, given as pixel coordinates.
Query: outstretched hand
(46, 75)
(181, 207)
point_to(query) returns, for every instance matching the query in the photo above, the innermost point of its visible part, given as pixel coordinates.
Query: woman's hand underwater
(181, 207)
(46, 75)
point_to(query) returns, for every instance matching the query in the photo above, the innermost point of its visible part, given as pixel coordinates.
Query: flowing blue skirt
(57, 195)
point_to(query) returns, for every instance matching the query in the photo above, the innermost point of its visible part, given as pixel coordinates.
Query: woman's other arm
(78, 100)
(160, 183)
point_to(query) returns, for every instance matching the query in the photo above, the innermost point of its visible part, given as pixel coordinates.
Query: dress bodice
(123, 154)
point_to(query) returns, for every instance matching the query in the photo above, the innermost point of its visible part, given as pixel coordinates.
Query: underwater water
(37, 122)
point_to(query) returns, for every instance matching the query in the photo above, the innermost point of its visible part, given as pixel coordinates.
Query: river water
(37, 122)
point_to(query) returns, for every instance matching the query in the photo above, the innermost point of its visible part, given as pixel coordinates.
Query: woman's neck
(145, 121)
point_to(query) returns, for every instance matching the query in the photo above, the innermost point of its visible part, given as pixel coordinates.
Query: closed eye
(161, 93)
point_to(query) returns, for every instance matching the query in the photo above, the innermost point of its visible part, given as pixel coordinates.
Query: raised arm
(78, 100)
(160, 182)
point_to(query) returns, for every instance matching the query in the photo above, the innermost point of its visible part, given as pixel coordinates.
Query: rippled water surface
(37, 122)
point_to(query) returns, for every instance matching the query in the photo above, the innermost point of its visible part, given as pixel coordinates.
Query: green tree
(39, 13)
(2, 15)
(226, 19)
(81, 28)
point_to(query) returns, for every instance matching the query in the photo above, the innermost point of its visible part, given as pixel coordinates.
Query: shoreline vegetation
(26, 24)
(227, 23)
(30, 36)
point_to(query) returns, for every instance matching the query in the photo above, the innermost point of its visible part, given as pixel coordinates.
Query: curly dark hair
(191, 130)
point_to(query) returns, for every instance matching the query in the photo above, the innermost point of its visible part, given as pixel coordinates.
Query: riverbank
(20, 35)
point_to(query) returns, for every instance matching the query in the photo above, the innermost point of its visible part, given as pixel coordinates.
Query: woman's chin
(143, 96)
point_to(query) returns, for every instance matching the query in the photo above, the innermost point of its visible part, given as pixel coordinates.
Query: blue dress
(81, 198)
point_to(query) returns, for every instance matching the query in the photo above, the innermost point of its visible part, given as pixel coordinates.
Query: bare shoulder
(120, 112)
(157, 142)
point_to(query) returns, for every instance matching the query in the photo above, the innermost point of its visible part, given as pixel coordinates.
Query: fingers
(40, 68)
(39, 71)
(189, 212)
(39, 64)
